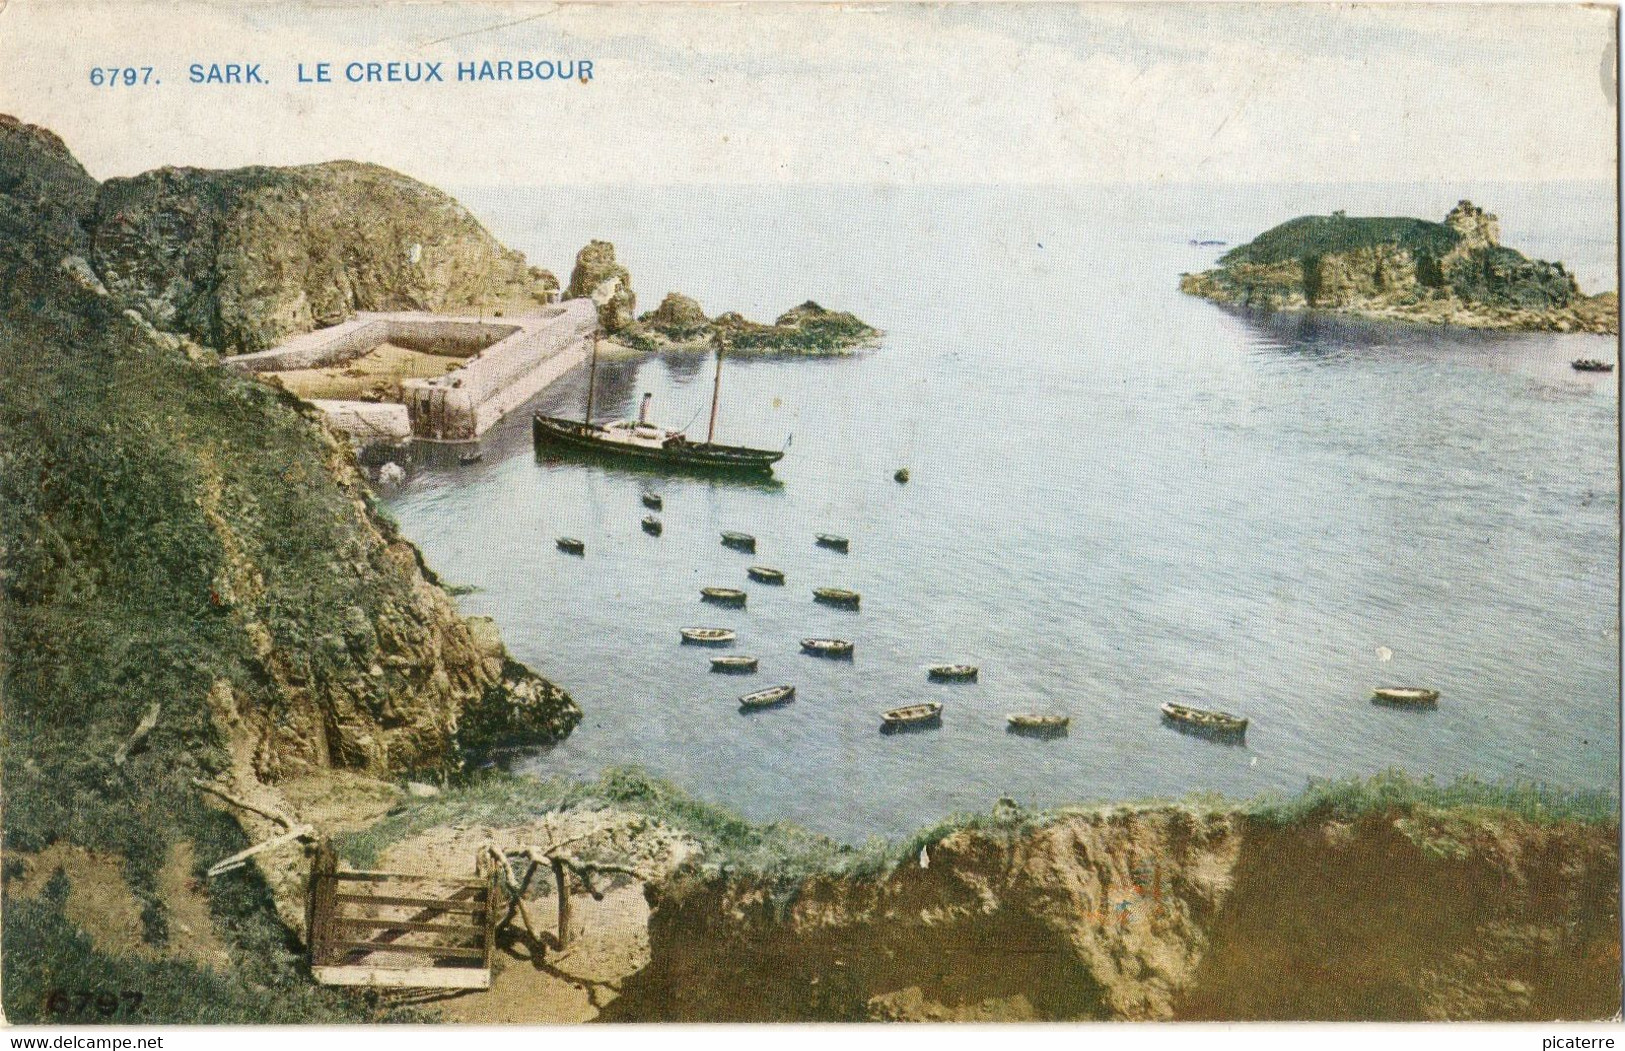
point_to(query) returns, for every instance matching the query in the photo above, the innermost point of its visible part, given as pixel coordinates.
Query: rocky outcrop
(240, 259)
(679, 324)
(1456, 272)
(679, 319)
(1161, 914)
(196, 552)
(597, 276)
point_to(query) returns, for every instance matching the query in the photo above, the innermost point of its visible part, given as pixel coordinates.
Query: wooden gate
(400, 929)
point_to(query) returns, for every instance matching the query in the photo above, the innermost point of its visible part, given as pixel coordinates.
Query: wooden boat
(647, 443)
(707, 636)
(571, 546)
(1593, 365)
(827, 647)
(1038, 723)
(1406, 696)
(953, 673)
(723, 596)
(470, 457)
(653, 501)
(837, 597)
(739, 541)
(901, 476)
(764, 575)
(1201, 720)
(833, 542)
(912, 715)
(732, 665)
(652, 526)
(768, 698)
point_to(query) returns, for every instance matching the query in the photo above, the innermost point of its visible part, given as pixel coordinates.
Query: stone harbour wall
(508, 363)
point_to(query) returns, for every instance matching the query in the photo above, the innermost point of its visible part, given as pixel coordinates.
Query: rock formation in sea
(1454, 272)
(240, 259)
(680, 324)
(599, 277)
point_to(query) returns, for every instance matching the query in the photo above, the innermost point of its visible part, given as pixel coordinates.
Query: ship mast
(716, 389)
(592, 376)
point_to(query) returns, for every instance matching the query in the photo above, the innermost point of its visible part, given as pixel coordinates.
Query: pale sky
(726, 93)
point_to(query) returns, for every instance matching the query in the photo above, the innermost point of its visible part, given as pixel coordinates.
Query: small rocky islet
(680, 324)
(1454, 272)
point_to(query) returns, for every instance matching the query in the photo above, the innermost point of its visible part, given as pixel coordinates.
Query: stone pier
(505, 362)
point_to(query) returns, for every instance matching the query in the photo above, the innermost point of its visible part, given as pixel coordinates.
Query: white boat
(734, 665)
(837, 597)
(707, 636)
(768, 698)
(827, 647)
(723, 596)
(912, 715)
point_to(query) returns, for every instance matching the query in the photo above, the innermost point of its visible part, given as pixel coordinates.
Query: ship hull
(706, 456)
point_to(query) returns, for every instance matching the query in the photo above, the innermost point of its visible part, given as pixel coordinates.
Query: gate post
(319, 903)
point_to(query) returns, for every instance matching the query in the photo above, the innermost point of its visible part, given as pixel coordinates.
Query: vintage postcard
(548, 513)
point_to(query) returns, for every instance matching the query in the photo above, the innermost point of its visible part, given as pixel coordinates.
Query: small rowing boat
(1203, 721)
(733, 665)
(472, 457)
(901, 477)
(707, 636)
(571, 546)
(833, 542)
(764, 575)
(912, 715)
(652, 526)
(827, 647)
(953, 673)
(837, 597)
(1407, 696)
(653, 501)
(723, 596)
(1034, 725)
(739, 541)
(767, 698)
(1593, 365)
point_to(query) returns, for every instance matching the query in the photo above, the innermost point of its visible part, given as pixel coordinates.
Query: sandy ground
(538, 982)
(375, 375)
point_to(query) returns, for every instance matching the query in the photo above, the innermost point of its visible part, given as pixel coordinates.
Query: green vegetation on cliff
(240, 259)
(1454, 272)
(1310, 236)
(188, 550)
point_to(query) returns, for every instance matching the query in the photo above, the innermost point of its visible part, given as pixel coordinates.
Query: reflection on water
(1119, 496)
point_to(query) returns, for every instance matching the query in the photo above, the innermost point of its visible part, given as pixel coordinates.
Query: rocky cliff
(1455, 272)
(197, 583)
(1158, 914)
(239, 259)
(597, 276)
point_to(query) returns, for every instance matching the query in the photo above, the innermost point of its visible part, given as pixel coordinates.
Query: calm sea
(1120, 496)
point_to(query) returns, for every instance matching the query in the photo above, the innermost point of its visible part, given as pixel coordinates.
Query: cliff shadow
(1364, 922)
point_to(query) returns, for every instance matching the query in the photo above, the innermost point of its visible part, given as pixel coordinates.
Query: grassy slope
(107, 442)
